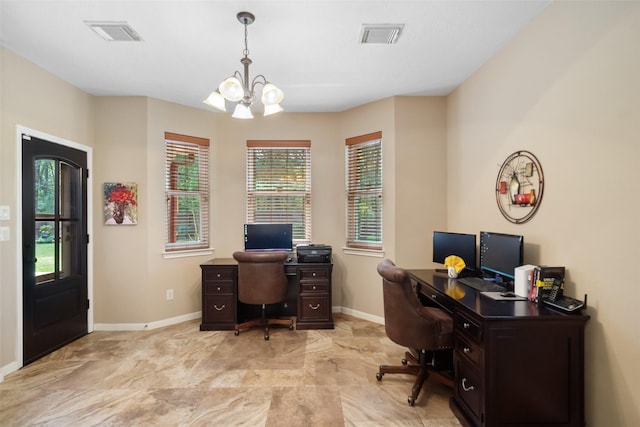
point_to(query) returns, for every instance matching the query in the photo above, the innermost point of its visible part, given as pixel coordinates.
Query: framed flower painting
(120, 203)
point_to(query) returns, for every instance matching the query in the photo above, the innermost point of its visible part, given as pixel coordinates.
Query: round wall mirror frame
(519, 187)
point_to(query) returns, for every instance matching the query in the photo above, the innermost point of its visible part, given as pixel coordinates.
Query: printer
(314, 253)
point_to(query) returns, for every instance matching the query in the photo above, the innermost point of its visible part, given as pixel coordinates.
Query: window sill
(375, 253)
(187, 253)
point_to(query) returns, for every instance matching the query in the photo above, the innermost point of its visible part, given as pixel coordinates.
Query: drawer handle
(218, 275)
(317, 306)
(313, 274)
(219, 308)
(434, 296)
(314, 288)
(219, 288)
(466, 325)
(466, 350)
(464, 386)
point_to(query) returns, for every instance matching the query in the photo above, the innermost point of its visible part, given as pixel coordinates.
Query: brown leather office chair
(262, 281)
(426, 331)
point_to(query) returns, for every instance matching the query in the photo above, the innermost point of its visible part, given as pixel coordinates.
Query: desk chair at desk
(262, 281)
(426, 331)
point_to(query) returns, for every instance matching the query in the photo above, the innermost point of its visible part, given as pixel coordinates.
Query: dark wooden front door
(54, 241)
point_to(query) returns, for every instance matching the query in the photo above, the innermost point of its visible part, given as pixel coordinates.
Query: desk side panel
(535, 373)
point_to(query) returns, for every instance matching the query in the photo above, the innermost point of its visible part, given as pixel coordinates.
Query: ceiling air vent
(380, 33)
(114, 31)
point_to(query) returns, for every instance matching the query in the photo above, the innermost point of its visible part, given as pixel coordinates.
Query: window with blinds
(363, 159)
(279, 185)
(187, 192)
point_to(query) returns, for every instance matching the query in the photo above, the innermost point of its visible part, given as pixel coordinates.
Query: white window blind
(187, 192)
(364, 191)
(279, 185)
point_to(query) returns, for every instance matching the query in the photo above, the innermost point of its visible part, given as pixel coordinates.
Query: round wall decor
(519, 187)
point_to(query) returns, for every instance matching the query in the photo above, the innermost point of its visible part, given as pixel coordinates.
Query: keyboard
(481, 284)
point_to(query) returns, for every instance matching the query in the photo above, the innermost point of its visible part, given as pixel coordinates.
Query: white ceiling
(310, 49)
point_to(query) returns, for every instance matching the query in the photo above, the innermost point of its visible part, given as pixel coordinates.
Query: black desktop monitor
(462, 245)
(268, 237)
(500, 254)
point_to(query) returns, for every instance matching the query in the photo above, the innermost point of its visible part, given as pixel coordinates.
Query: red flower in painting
(121, 194)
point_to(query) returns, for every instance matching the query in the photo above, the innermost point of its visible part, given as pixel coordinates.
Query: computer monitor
(268, 237)
(500, 254)
(459, 244)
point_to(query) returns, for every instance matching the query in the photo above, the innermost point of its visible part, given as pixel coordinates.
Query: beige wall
(567, 89)
(121, 293)
(32, 98)
(420, 178)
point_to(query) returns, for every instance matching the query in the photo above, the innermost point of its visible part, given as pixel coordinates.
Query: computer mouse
(508, 294)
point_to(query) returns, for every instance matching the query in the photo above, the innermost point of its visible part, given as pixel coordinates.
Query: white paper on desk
(497, 296)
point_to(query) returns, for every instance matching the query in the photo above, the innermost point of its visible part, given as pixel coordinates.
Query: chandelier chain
(246, 38)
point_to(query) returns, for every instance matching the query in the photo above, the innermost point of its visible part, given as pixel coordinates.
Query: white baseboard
(359, 314)
(7, 369)
(146, 326)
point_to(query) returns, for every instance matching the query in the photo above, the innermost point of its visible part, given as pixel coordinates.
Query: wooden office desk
(309, 296)
(516, 363)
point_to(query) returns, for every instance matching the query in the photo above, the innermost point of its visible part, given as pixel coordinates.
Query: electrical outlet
(5, 213)
(169, 294)
(4, 234)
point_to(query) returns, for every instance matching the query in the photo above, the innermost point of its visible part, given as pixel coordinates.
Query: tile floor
(180, 376)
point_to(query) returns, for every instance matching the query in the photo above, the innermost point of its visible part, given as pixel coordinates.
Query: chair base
(265, 323)
(421, 369)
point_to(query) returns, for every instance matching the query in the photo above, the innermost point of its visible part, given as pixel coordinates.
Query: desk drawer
(468, 326)
(468, 349)
(441, 300)
(311, 287)
(217, 288)
(313, 273)
(469, 388)
(220, 308)
(217, 273)
(314, 307)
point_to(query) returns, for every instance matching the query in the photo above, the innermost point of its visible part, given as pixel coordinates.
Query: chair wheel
(379, 376)
(266, 337)
(411, 400)
(236, 332)
(291, 327)
(404, 362)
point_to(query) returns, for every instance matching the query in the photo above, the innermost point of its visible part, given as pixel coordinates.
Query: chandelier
(236, 88)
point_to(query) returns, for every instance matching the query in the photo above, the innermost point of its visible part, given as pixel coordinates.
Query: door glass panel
(69, 178)
(45, 183)
(69, 198)
(45, 194)
(67, 248)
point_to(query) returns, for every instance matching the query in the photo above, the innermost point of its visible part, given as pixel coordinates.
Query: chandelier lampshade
(272, 109)
(216, 100)
(239, 88)
(242, 112)
(271, 95)
(231, 89)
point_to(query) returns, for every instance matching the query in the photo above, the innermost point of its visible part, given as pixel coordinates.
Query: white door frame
(20, 130)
